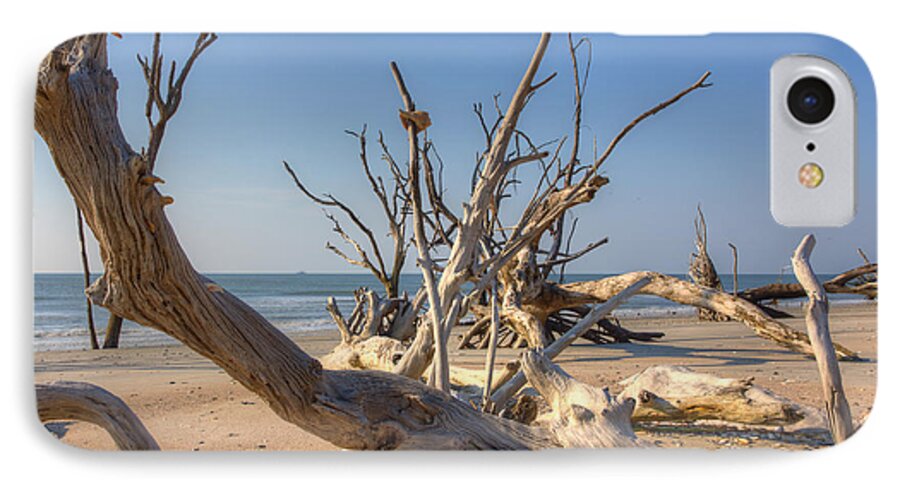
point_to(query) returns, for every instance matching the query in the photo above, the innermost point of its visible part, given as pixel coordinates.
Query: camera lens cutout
(810, 100)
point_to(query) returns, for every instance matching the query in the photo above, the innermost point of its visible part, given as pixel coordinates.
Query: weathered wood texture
(436, 309)
(676, 393)
(560, 296)
(582, 416)
(836, 407)
(511, 387)
(67, 400)
(148, 279)
(702, 270)
(491, 355)
(458, 267)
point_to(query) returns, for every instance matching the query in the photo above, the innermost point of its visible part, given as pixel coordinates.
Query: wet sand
(188, 403)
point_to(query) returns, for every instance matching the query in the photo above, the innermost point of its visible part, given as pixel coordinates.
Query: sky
(252, 101)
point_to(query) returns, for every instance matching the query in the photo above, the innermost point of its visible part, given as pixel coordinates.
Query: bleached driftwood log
(67, 400)
(837, 409)
(667, 393)
(581, 415)
(556, 297)
(380, 353)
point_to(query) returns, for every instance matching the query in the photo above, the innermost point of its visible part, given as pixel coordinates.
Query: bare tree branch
(87, 281)
(166, 104)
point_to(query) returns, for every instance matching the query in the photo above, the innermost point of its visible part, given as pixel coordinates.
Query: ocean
(292, 302)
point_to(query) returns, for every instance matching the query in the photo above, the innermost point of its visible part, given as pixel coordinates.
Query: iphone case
(441, 241)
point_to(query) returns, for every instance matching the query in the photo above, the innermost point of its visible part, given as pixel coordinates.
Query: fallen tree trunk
(675, 393)
(839, 284)
(66, 400)
(555, 297)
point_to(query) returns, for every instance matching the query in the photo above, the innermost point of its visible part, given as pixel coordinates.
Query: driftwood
(379, 352)
(480, 250)
(511, 387)
(582, 416)
(861, 280)
(607, 330)
(837, 409)
(148, 279)
(437, 310)
(675, 393)
(734, 269)
(393, 205)
(492, 350)
(113, 332)
(555, 297)
(702, 270)
(66, 400)
(92, 331)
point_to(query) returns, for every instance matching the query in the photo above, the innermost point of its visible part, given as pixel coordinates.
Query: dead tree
(702, 270)
(560, 296)
(395, 206)
(734, 268)
(484, 249)
(837, 409)
(396, 311)
(862, 280)
(504, 393)
(147, 278)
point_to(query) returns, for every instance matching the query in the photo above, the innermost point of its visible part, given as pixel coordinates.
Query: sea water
(293, 303)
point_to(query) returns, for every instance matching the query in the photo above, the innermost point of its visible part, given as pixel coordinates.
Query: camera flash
(811, 175)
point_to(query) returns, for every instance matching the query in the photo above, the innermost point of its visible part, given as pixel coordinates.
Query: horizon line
(299, 273)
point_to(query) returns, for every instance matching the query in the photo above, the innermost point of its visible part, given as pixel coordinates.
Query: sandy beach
(189, 404)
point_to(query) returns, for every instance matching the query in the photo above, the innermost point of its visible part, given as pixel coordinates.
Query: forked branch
(166, 96)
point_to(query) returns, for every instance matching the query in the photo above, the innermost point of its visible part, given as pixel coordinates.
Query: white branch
(836, 407)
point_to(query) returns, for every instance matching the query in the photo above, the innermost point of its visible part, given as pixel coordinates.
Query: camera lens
(810, 100)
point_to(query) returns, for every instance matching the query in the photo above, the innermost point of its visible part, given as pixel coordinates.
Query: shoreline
(188, 403)
(149, 337)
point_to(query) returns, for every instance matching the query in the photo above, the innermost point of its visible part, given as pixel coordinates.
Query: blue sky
(255, 100)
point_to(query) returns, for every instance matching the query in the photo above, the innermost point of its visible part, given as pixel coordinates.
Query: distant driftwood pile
(389, 384)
